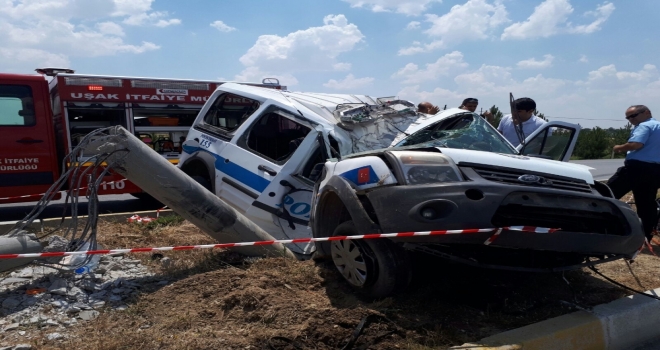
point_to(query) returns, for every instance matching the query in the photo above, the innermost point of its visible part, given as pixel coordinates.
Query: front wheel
(377, 267)
(203, 181)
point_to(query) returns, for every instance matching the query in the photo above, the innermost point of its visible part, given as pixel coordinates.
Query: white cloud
(609, 77)
(418, 47)
(341, 66)
(254, 74)
(413, 25)
(17, 59)
(50, 32)
(551, 18)
(490, 84)
(449, 63)
(532, 63)
(312, 49)
(221, 26)
(139, 13)
(437, 96)
(349, 83)
(110, 28)
(602, 13)
(474, 20)
(559, 99)
(407, 7)
(583, 59)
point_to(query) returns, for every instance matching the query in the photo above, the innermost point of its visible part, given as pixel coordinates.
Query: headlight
(419, 168)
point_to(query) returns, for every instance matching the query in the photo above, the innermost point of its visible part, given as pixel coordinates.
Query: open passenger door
(554, 140)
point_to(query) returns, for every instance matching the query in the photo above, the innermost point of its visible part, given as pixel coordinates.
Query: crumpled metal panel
(379, 134)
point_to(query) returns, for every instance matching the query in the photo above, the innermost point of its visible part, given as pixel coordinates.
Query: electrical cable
(79, 167)
(595, 270)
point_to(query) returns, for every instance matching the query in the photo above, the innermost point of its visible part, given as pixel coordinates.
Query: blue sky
(582, 61)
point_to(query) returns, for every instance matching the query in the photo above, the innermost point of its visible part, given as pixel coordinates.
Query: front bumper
(590, 224)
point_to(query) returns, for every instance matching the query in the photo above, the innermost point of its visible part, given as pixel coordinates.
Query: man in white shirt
(511, 129)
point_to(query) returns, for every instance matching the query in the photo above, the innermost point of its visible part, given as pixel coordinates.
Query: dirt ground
(219, 300)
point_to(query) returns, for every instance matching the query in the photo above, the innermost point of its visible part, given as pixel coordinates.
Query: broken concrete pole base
(18, 243)
(134, 160)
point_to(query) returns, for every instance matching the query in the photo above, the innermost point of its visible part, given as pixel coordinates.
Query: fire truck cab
(41, 121)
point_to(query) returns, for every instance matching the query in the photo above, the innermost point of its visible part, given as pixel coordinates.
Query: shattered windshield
(464, 131)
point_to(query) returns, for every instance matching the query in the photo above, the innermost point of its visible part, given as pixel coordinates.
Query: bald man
(641, 170)
(427, 108)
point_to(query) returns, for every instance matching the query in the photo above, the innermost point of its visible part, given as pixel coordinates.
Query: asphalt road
(604, 168)
(108, 204)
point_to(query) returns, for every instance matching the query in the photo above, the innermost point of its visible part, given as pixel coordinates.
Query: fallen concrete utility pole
(21, 243)
(172, 187)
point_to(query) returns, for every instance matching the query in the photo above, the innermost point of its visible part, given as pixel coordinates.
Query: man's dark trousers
(643, 178)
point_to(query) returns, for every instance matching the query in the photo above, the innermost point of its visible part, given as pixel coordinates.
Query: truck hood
(575, 171)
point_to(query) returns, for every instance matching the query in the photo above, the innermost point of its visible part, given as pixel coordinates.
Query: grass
(218, 299)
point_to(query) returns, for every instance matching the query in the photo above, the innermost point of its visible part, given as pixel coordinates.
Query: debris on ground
(219, 299)
(55, 299)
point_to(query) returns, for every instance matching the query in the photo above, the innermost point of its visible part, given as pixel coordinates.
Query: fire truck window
(16, 106)
(82, 121)
(276, 137)
(164, 116)
(229, 111)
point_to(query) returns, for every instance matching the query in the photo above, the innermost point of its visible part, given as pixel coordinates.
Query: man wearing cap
(471, 103)
(641, 170)
(517, 129)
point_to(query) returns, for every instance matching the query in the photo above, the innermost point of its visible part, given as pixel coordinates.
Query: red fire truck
(41, 122)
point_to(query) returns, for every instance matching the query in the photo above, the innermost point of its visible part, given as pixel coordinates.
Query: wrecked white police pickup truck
(305, 164)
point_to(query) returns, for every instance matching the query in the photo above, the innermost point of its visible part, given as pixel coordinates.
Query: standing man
(471, 103)
(517, 129)
(641, 170)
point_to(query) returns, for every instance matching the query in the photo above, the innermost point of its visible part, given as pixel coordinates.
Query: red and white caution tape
(158, 211)
(493, 237)
(282, 241)
(144, 219)
(137, 219)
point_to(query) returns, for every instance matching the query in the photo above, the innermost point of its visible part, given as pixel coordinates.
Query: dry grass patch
(219, 300)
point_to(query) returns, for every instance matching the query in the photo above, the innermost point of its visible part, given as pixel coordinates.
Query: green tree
(540, 115)
(497, 115)
(593, 144)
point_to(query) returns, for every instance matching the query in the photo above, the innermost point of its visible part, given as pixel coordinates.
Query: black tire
(378, 268)
(203, 181)
(146, 197)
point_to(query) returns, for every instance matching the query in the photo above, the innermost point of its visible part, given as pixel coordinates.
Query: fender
(349, 199)
(191, 169)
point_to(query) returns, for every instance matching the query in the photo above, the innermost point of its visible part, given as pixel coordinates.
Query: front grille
(510, 176)
(607, 223)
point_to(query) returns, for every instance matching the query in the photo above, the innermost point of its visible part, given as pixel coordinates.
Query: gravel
(49, 298)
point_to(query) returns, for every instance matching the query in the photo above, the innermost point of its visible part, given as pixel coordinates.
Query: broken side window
(228, 112)
(276, 136)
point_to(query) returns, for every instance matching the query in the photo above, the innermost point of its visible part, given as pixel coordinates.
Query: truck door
(286, 201)
(554, 140)
(256, 156)
(28, 164)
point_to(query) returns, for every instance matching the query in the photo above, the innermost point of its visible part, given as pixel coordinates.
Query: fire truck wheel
(203, 181)
(146, 197)
(376, 267)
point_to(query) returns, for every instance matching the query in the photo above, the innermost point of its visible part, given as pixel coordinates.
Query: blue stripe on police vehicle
(236, 171)
(352, 176)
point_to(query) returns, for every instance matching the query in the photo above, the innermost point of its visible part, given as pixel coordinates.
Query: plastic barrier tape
(530, 229)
